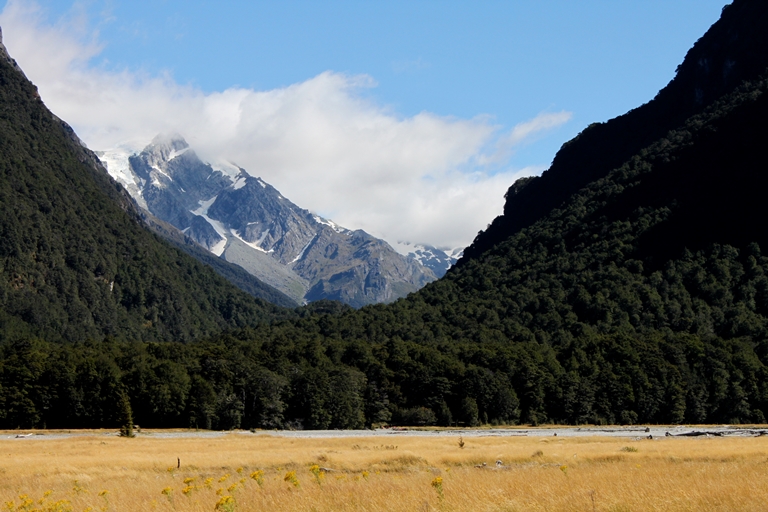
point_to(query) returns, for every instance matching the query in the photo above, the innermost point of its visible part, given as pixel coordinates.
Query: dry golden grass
(406, 473)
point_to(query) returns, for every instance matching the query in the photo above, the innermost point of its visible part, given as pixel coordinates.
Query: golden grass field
(246, 472)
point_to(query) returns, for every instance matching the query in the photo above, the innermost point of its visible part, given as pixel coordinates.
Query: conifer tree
(126, 429)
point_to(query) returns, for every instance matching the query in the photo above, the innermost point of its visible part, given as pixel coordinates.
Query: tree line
(643, 298)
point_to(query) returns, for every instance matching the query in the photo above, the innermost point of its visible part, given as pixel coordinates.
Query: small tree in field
(126, 416)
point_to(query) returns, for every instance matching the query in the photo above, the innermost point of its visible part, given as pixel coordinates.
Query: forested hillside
(733, 50)
(642, 297)
(76, 261)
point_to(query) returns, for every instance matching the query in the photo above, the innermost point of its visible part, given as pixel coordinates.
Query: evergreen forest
(640, 296)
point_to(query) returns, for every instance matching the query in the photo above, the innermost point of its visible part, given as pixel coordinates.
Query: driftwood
(721, 433)
(499, 465)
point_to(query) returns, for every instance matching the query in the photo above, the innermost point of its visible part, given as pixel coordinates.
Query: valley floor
(243, 471)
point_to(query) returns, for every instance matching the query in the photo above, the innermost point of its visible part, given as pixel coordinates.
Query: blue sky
(455, 78)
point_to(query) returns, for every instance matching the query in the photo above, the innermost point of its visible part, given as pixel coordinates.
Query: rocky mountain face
(246, 221)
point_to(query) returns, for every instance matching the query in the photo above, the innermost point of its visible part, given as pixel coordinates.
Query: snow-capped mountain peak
(246, 221)
(437, 259)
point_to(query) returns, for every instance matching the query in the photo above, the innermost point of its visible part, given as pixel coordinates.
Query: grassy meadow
(245, 472)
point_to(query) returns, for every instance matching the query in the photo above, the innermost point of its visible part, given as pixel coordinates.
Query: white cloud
(524, 131)
(427, 178)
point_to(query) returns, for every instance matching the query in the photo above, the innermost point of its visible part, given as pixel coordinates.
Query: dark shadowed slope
(733, 50)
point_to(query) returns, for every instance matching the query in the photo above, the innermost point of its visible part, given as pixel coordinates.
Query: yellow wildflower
(437, 483)
(258, 475)
(226, 503)
(290, 477)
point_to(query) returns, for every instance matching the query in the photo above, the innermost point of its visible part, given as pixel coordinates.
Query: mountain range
(627, 284)
(246, 221)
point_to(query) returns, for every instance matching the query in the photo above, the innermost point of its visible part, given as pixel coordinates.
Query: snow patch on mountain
(204, 205)
(228, 169)
(118, 166)
(162, 172)
(218, 226)
(240, 182)
(329, 223)
(437, 259)
(409, 249)
(252, 245)
(218, 249)
(301, 254)
(177, 152)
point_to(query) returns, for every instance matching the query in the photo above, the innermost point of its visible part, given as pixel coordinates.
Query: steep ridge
(733, 50)
(75, 259)
(248, 222)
